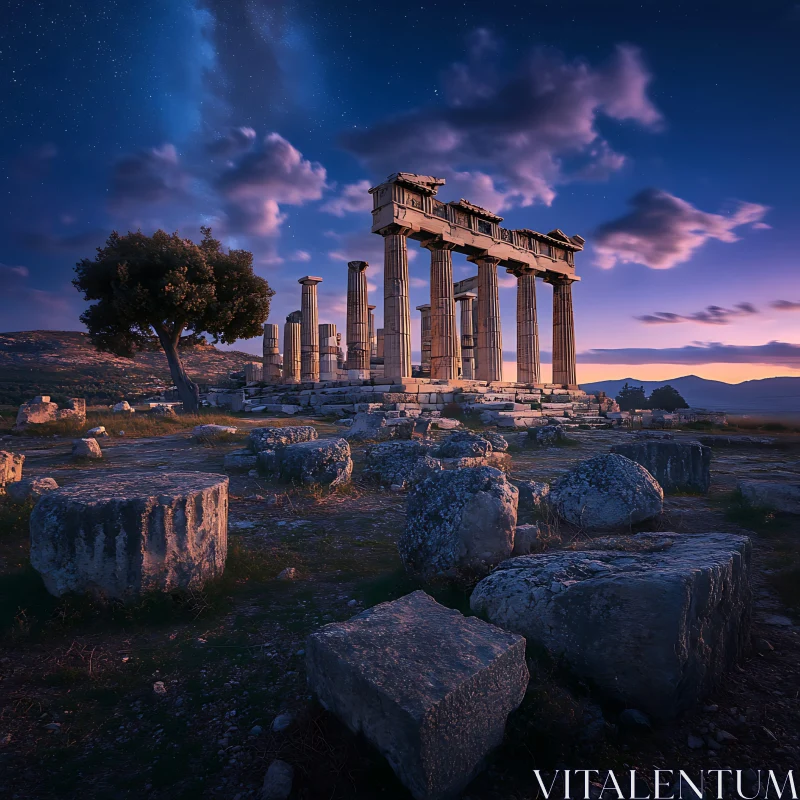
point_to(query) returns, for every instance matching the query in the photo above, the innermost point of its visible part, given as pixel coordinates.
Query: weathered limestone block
(212, 432)
(654, 620)
(10, 469)
(775, 495)
(459, 524)
(377, 427)
(270, 438)
(429, 688)
(30, 489)
(677, 466)
(533, 538)
(401, 463)
(86, 449)
(326, 462)
(497, 440)
(36, 412)
(164, 410)
(532, 494)
(464, 444)
(240, 461)
(546, 436)
(120, 536)
(100, 431)
(607, 492)
(123, 408)
(738, 441)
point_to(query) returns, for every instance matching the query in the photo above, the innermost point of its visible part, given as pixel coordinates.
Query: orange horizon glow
(728, 373)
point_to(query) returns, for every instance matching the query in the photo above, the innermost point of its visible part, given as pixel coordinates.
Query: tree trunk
(188, 390)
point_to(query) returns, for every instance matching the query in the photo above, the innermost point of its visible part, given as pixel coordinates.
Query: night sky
(666, 134)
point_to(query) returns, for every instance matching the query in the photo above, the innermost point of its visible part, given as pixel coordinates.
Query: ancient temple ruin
(460, 327)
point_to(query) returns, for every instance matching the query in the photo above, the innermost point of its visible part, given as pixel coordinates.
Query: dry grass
(137, 425)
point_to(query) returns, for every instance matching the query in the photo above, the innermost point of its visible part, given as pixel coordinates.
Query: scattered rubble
(677, 466)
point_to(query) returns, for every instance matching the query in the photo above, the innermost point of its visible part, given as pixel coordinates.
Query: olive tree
(164, 285)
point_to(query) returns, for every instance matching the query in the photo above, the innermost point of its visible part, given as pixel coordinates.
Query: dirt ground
(80, 718)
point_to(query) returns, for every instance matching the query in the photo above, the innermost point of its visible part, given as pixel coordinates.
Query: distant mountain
(768, 395)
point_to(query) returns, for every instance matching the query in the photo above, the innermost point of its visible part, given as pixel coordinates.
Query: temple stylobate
(405, 207)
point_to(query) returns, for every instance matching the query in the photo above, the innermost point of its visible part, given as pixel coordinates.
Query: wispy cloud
(662, 230)
(785, 305)
(711, 315)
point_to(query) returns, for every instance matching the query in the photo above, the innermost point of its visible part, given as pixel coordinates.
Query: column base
(358, 374)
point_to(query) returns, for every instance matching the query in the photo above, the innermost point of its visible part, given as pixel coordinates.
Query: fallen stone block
(653, 620)
(533, 495)
(269, 438)
(240, 461)
(546, 436)
(677, 466)
(605, 493)
(40, 411)
(30, 489)
(121, 536)
(213, 432)
(377, 426)
(774, 495)
(459, 524)
(100, 431)
(86, 449)
(534, 538)
(10, 469)
(400, 463)
(326, 462)
(123, 408)
(429, 688)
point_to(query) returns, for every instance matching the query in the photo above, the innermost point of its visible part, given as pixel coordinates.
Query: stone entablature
(407, 201)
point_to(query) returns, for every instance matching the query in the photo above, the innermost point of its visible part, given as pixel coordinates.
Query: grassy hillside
(64, 364)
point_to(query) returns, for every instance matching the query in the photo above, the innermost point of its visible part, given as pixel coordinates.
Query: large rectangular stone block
(429, 688)
(653, 620)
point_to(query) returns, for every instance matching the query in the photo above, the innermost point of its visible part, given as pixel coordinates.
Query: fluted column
(490, 335)
(291, 348)
(396, 309)
(564, 371)
(467, 300)
(528, 366)
(309, 330)
(271, 361)
(357, 321)
(425, 339)
(379, 343)
(373, 340)
(328, 355)
(444, 336)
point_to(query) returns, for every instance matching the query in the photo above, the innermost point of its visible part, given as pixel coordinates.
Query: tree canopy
(664, 397)
(631, 398)
(164, 284)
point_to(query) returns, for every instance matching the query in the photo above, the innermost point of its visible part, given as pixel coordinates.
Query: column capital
(395, 229)
(357, 266)
(309, 280)
(554, 278)
(438, 243)
(518, 270)
(424, 307)
(466, 296)
(295, 316)
(484, 258)
(372, 308)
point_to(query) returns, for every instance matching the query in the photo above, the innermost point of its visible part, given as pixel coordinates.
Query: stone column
(373, 341)
(425, 339)
(379, 343)
(357, 321)
(396, 309)
(328, 352)
(309, 330)
(490, 335)
(444, 336)
(528, 368)
(271, 362)
(564, 372)
(291, 348)
(467, 300)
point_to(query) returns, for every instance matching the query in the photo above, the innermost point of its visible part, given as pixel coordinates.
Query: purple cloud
(23, 307)
(148, 177)
(785, 305)
(662, 230)
(354, 197)
(509, 139)
(266, 178)
(711, 315)
(779, 354)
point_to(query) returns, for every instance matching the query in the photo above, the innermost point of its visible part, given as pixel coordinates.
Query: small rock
(100, 430)
(86, 448)
(159, 688)
(396, 487)
(30, 489)
(695, 742)
(633, 719)
(277, 781)
(282, 722)
(53, 727)
(352, 603)
(711, 708)
(288, 574)
(724, 736)
(256, 730)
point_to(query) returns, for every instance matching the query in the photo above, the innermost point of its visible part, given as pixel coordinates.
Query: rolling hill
(764, 396)
(65, 364)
